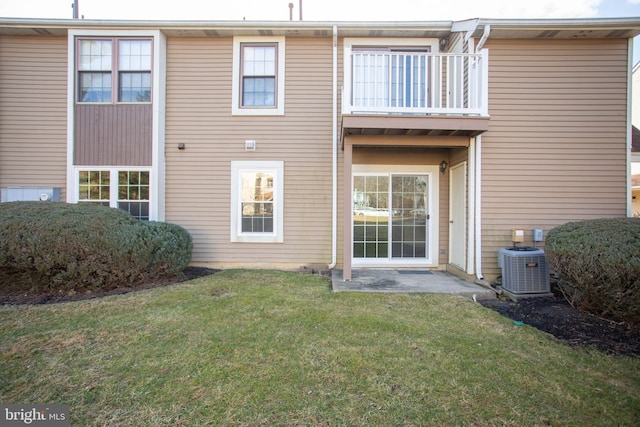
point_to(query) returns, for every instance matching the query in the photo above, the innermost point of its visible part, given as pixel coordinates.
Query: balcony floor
(399, 125)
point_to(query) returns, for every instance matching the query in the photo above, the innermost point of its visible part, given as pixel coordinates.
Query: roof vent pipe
(300, 6)
(290, 11)
(76, 9)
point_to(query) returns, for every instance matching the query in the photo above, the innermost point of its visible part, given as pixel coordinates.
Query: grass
(273, 348)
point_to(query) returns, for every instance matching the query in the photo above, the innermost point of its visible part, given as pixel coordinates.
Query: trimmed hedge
(598, 262)
(75, 247)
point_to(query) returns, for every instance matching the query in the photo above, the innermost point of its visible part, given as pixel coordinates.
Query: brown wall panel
(118, 134)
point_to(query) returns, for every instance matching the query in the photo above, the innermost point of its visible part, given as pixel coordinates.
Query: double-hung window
(258, 76)
(258, 84)
(117, 188)
(114, 70)
(257, 201)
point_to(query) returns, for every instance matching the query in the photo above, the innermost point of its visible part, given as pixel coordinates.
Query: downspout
(483, 39)
(478, 183)
(629, 126)
(478, 213)
(334, 142)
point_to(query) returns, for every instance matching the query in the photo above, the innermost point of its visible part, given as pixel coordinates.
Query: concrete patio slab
(405, 281)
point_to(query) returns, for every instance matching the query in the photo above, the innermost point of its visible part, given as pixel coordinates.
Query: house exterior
(325, 144)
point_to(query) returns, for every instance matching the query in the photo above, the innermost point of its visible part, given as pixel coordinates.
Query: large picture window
(257, 201)
(107, 63)
(123, 189)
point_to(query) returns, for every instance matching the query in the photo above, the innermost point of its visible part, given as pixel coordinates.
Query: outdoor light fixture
(443, 167)
(443, 44)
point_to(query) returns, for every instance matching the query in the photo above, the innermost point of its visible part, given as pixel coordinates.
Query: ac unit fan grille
(525, 272)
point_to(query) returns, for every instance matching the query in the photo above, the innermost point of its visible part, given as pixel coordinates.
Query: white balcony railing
(416, 83)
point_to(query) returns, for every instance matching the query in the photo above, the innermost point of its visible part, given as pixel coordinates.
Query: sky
(323, 10)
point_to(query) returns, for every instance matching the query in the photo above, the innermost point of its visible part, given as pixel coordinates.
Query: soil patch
(13, 293)
(556, 317)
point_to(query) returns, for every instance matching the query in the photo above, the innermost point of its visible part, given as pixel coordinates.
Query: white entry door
(457, 216)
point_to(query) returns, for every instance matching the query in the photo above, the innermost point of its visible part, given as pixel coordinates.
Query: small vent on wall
(42, 31)
(548, 34)
(618, 34)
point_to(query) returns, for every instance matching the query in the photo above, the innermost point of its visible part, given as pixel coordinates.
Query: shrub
(598, 262)
(73, 247)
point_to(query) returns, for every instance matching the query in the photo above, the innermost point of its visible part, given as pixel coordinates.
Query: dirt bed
(556, 317)
(11, 292)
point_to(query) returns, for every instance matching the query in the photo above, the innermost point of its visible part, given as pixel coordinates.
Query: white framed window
(257, 201)
(258, 76)
(107, 63)
(126, 189)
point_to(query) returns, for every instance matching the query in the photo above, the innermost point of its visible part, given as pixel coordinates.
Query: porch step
(405, 281)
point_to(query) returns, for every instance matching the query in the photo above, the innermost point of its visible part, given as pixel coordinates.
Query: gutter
(334, 142)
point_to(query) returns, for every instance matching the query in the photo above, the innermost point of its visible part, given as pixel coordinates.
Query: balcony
(416, 93)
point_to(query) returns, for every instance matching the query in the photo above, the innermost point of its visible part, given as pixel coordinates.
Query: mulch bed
(8, 294)
(549, 314)
(556, 317)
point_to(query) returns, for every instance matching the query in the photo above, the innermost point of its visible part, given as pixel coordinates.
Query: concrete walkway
(435, 282)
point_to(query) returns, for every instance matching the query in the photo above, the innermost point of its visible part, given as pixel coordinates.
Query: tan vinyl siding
(199, 77)
(556, 147)
(33, 113)
(113, 135)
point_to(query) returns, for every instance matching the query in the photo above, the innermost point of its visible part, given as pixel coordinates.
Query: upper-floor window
(114, 70)
(258, 76)
(258, 82)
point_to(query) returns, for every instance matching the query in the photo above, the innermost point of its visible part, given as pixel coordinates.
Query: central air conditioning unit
(524, 270)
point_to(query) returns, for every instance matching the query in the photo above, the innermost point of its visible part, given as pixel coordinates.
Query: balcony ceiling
(390, 125)
(545, 28)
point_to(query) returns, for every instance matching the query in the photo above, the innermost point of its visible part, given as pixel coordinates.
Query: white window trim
(158, 85)
(113, 183)
(277, 169)
(349, 43)
(115, 68)
(236, 109)
(433, 212)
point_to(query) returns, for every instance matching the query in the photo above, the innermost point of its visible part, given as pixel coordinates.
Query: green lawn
(273, 348)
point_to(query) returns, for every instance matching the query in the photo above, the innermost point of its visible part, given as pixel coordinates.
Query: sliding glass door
(390, 217)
